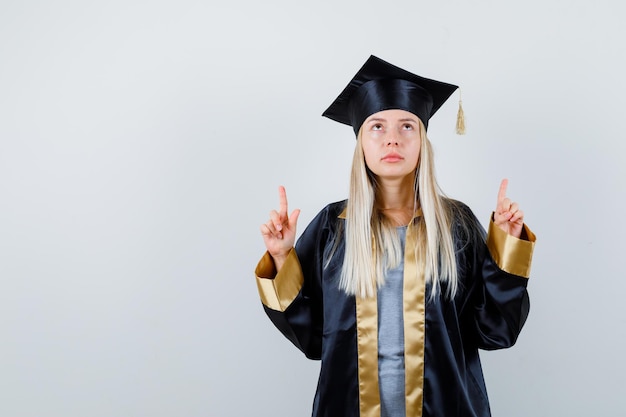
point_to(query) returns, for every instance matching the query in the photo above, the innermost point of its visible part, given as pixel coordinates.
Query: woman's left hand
(508, 216)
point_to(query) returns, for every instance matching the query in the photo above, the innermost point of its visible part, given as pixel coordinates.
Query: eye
(377, 126)
(407, 126)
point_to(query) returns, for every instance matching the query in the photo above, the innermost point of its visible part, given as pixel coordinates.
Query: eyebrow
(380, 119)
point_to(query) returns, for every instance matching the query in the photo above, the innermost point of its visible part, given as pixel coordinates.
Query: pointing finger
(502, 191)
(282, 197)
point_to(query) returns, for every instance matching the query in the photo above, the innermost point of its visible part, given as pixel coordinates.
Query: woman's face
(391, 143)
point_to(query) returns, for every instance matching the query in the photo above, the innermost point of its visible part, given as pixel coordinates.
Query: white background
(142, 143)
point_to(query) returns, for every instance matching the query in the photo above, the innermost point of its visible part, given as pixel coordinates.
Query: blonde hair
(371, 241)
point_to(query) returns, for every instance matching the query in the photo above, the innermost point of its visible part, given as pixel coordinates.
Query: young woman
(396, 288)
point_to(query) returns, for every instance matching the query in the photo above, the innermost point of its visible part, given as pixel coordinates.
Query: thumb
(293, 219)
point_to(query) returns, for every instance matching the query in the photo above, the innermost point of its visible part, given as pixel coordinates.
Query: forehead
(392, 115)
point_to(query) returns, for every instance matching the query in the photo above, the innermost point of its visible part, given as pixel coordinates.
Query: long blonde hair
(368, 232)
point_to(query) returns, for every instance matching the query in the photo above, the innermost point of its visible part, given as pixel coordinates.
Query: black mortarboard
(379, 85)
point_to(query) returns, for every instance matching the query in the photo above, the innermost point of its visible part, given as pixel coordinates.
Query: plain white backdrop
(142, 144)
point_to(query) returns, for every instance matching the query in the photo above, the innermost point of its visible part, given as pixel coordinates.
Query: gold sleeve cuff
(278, 290)
(511, 254)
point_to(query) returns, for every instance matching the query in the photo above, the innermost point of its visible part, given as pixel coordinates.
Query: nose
(391, 141)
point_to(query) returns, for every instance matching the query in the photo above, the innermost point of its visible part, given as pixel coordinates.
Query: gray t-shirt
(391, 340)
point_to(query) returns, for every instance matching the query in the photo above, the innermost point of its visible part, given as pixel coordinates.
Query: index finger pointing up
(502, 191)
(282, 197)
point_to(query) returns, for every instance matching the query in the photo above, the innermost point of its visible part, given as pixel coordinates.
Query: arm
(291, 305)
(290, 289)
(500, 267)
(499, 297)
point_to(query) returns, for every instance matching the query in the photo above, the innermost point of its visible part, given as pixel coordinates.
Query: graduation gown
(443, 375)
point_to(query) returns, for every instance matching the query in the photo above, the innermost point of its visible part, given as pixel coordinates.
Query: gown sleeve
(497, 302)
(292, 297)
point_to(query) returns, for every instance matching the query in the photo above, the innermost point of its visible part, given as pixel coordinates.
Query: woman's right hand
(279, 233)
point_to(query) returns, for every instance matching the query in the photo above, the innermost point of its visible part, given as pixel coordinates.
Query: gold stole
(414, 299)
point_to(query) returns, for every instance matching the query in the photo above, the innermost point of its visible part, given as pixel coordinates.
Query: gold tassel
(460, 118)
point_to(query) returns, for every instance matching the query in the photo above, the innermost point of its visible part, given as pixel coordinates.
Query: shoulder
(331, 211)
(464, 223)
(336, 208)
(329, 216)
(458, 210)
(323, 227)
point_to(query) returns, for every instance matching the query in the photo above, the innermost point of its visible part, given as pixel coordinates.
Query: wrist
(280, 259)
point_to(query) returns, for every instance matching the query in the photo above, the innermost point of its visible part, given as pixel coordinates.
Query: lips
(392, 157)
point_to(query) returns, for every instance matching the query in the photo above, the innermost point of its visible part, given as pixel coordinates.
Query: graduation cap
(379, 86)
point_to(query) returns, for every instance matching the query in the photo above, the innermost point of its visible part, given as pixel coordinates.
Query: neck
(398, 194)
(396, 200)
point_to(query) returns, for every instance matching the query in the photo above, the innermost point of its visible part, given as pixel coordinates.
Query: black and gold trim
(414, 305)
(511, 254)
(367, 350)
(414, 317)
(278, 290)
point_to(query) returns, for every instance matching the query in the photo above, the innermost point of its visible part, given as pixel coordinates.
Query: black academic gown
(443, 375)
